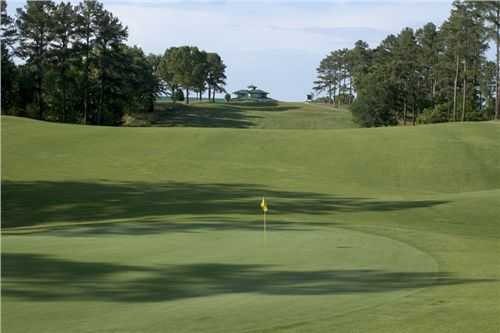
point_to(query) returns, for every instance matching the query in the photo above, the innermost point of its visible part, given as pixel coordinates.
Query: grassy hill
(282, 115)
(158, 229)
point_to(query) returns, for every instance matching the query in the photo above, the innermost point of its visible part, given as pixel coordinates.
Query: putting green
(179, 281)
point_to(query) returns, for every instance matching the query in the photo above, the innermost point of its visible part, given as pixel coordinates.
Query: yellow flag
(263, 205)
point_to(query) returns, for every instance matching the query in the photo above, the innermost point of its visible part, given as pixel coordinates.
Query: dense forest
(433, 74)
(72, 65)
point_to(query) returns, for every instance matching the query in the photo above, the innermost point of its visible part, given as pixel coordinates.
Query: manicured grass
(283, 115)
(159, 230)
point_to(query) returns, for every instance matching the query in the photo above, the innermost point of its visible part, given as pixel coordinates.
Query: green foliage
(416, 71)
(80, 68)
(178, 95)
(8, 81)
(437, 114)
(192, 69)
(227, 97)
(374, 105)
(335, 76)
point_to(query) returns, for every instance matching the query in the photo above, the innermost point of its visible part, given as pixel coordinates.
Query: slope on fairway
(282, 115)
(155, 229)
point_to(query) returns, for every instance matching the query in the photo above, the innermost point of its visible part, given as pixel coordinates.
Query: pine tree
(62, 36)
(9, 70)
(33, 24)
(109, 37)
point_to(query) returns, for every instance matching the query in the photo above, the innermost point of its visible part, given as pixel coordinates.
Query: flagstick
(265, 226)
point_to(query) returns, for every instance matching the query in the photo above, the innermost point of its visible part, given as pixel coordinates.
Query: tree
(216, 75)
(190, 68)
(429, 49)
(490, 12)
(155, 86)
(165, 72)
(33, 24)
(200, 72)
(136, 79)
(180, 64)
(9, 70)
(406, 72)
(361, 58)
(86, 21)
(78, 68)
(327, 78)
(110, 35)
(440, 70)
(62, 36)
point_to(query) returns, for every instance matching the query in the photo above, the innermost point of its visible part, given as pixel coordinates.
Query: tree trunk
(101, 91)
(209, 92)
(350, 89)
(86, 78)
(213, 95)
(334, 99)
(464, 91)
(187, 96)
(497, 101)
(455, 92)
(414, 115)
(40, 92)
(404, 112)
(63, 75)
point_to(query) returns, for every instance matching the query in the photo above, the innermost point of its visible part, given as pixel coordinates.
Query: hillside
(282, 115)
(158, 229)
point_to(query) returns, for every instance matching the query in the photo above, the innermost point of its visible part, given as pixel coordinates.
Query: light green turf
(282, 115)
(158, 229)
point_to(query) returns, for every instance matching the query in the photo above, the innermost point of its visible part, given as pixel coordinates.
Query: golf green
(188, 284)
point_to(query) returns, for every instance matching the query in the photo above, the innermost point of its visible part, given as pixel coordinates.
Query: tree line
(74, 66)
(433, 74)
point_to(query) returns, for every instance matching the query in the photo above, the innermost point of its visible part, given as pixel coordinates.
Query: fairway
(281, 115)
(159, 229)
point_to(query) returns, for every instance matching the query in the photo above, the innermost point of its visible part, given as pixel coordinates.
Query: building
(251, 93)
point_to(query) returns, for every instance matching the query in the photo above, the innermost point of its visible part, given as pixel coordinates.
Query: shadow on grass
(209, 115)
(200, 116)
(150, 226)
(41, 278)
(42, 202)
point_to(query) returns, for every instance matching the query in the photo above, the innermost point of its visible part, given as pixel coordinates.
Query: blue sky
(275, 45)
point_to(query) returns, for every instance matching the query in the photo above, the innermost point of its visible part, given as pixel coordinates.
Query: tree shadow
(155, 226)
(203, 114)
(43, 202)
(198, 116)
(41, 278)
(268, 108)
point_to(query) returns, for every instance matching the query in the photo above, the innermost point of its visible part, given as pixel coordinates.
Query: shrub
(227, 97)
(178, 95)
(436, 114)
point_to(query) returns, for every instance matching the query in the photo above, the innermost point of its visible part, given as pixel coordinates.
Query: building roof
(252, 92)
(258, 91)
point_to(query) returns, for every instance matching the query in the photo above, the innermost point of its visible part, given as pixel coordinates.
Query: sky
(275, 45)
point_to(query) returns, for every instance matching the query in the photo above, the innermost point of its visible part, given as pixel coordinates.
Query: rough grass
(158, 229)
